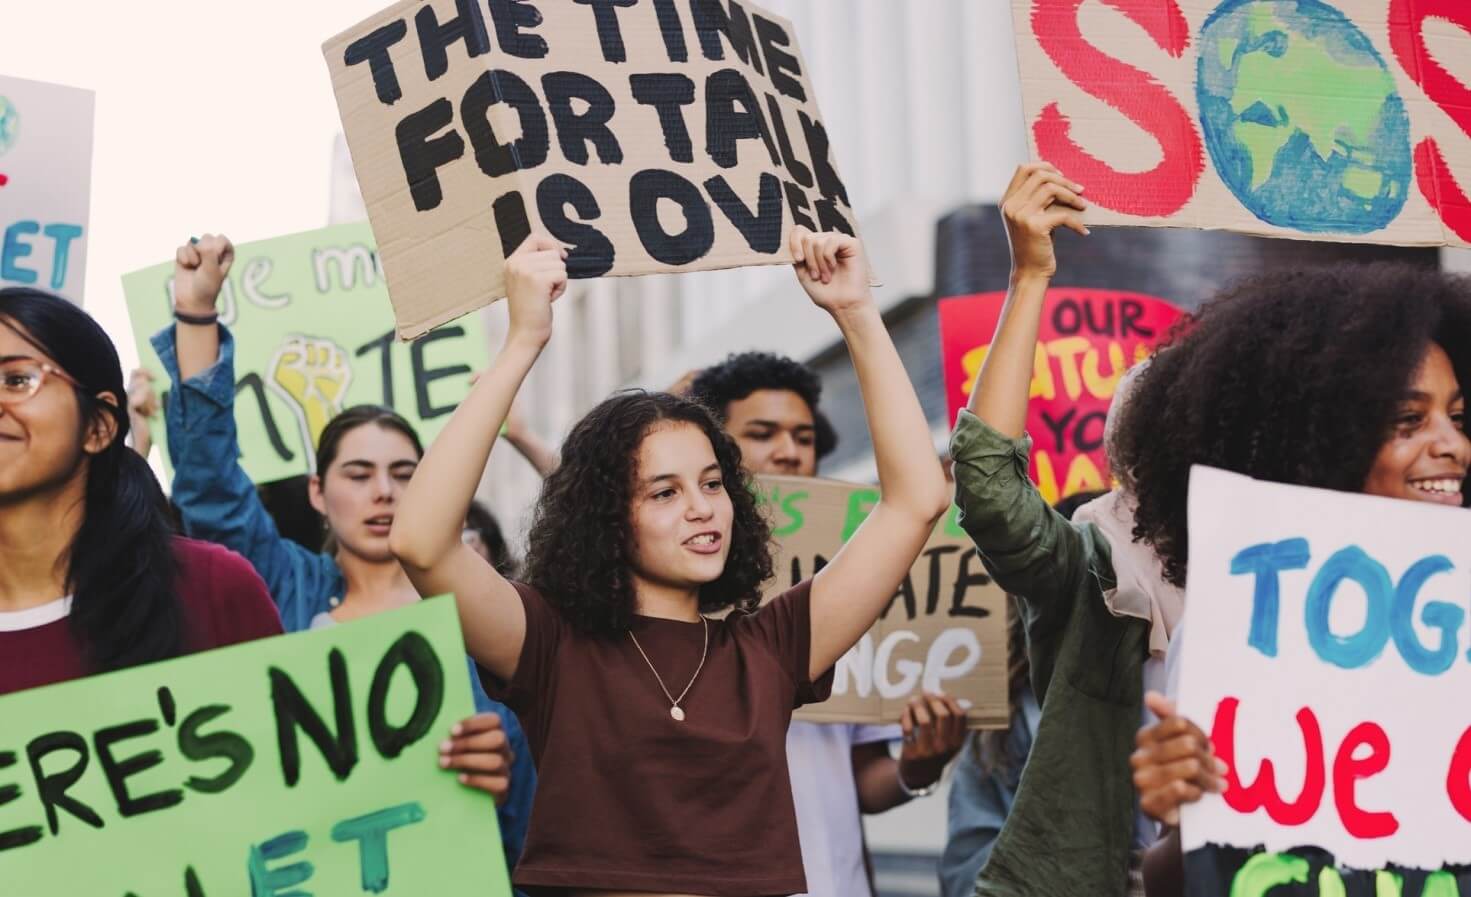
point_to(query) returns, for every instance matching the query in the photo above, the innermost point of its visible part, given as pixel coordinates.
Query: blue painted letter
(14, 250)
(1359, 649)
(62, 235)
(1440, 615)
(269, 882)
(1266, 561)
(371, 833)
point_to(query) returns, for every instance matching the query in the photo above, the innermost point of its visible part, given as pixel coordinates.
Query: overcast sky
(211, 116)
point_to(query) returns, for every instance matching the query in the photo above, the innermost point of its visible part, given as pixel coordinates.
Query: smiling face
(42, 443)
(776, 432)
(681, 513)
(360, 490)
(1426, 456)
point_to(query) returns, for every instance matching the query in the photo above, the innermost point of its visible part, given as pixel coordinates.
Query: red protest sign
(1087, 340)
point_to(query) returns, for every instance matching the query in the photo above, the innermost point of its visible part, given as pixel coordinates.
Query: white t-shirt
(820, 757)
(35, 617)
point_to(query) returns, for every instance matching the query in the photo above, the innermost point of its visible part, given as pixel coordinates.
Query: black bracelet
(197, 320)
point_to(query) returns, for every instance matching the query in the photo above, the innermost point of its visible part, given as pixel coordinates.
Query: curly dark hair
(741, 374)
(1291, 376)
(581, 543)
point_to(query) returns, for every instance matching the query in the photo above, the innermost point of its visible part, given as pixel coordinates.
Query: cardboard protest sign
(1312, 119)
(45, 185)
(306, 761)
(314, 335)
(1087, 340)
(945, 629)
(1325, 652)
(653, 137)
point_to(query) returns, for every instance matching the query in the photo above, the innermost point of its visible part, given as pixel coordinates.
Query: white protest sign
(651, 136)
(1344, 120)
(45, 185)
(1325, 652)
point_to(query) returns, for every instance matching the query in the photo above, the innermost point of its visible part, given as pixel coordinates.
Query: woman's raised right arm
(431, 515)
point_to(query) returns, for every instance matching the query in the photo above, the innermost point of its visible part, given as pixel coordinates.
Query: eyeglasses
(22, 378)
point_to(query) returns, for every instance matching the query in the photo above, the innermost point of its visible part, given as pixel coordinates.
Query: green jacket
(1071, 829)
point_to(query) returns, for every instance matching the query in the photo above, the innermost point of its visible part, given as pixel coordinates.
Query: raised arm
(542, 457)
(215, 497)
(855, 587)
(1029, 548)
(431, 516)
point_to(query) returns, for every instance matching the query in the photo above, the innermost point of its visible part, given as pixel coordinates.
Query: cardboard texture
(313, 335)
(1285, 118)
(45, 185)
(304, 761)
(1087, 340)
(1324, 651)
(649, 137)
(944, 631)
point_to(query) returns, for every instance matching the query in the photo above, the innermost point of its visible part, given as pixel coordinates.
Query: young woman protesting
(1368, 364)
(659, 731)
(365, 457)
(1303, 383)
(92, 578)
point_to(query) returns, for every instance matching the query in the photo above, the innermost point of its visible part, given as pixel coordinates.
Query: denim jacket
(1071, 829)
(218, 503)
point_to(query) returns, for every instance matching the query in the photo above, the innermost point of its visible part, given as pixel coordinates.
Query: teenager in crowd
(92, 578)
(1314, 344)
(364, 459)
(769, 405)
(1367, 364)
(983, 787)
(660, 732)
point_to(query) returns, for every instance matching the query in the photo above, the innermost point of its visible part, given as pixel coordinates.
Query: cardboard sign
(314, 335)
(1312, 119)
(45, 185)
(1087, 340)
(945, 629)
(650, 137)
(303, 764)
(1324, 651)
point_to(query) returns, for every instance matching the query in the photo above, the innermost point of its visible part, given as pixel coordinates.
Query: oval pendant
(677, 713)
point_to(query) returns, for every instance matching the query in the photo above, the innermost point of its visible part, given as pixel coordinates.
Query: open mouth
(1445, 490)
(704, 543)
(379, 525)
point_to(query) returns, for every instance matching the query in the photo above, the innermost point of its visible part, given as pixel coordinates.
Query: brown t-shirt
(630, 799)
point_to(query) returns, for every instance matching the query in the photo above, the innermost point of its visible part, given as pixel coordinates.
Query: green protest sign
(314, 334)
(298, 765)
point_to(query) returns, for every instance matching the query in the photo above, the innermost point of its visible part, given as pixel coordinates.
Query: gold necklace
(674, 709)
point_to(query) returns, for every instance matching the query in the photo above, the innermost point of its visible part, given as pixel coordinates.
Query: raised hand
(1038, 201)
(200, 269)
(1175, 763)
(536, 275)
(479, 752)
(832, 269)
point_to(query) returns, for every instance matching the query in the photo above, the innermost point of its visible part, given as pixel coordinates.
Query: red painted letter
(1458, 782)
(1263, 791)
(1166, 188)
(1407, 38)
(1347, 770)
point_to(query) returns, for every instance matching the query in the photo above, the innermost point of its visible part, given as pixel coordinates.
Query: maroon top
(225, 602)
(630, 799)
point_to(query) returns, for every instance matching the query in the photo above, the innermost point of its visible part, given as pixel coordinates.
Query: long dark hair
(120, 567)
(580, 552)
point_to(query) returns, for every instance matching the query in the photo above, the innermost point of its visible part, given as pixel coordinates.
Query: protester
(983, 787)
(364, 458)
(769, 405)
(483, 533)
(1366, 364)
(92, 577)
(660, 732)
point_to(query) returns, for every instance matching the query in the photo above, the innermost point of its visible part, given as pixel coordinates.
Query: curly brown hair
(581, 543)
(1291, 376)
